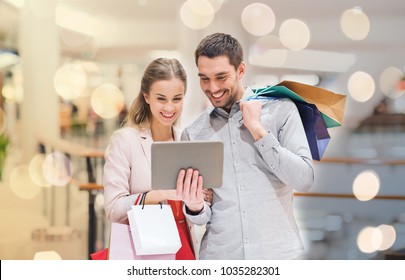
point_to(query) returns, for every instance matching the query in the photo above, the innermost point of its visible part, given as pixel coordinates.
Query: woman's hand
(189, 188)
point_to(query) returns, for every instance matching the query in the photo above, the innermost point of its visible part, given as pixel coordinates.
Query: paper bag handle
(143, 198)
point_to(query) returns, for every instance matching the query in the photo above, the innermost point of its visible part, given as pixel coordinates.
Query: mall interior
(69, 70)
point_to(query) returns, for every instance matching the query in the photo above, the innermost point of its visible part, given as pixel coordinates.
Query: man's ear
(241, 69)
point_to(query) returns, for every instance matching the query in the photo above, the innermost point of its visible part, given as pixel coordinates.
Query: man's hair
(219, 44)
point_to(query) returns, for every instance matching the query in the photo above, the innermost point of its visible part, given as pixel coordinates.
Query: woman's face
(166, 101)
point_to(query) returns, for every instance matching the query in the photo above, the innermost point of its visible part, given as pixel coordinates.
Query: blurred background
(69, 70)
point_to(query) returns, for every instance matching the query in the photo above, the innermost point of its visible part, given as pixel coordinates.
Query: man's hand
(189, 188)
(251, 111)
(208, 195)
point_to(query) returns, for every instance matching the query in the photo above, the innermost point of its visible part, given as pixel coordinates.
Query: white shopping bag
(153, 229)
(121, 246)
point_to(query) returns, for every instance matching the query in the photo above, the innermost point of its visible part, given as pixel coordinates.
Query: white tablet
(168, 158)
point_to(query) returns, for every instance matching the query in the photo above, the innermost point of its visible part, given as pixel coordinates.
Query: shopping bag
(100, 255)
(315, 129)
(153, 229)
(121, 246)
(319, 109)
(331, 105)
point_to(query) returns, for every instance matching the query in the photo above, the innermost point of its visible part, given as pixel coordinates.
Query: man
(266, 156)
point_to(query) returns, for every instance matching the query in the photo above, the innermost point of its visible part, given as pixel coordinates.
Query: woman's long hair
(159, 69)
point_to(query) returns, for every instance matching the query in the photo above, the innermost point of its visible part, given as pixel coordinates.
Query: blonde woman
(152, 117)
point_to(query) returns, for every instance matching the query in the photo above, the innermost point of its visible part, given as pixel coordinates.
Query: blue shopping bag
(315, 129)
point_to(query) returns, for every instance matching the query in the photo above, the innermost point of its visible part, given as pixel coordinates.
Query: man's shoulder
(284, 104)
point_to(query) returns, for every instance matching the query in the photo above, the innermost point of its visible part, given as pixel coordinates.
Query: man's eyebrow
(218, 74)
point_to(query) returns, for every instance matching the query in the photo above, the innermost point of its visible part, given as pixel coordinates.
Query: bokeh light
(35, 169)
(47, 255)
(197, 14)
(369, 239)
(216, 4)
(21, 183)
(13, 93)
(75, 28)
(70, 81)
(388, 237)
(57, 169)
(107, 101)
(355, 24)
(258, 19)
(361, 86)
(93, 74)
(366, 185)
(389, 80)
(294, 34)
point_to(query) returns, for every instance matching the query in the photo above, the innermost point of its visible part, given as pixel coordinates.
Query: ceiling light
(8, 58)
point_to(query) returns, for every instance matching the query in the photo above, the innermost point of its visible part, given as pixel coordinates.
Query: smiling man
(266, 156)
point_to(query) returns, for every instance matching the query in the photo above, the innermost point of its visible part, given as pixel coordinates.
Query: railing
(91, 156)
(365, 161)
(371, 161)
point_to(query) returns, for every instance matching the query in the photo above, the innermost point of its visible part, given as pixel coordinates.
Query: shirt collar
(248, 93)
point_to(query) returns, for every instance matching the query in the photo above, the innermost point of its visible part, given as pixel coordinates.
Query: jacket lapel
(146, 142)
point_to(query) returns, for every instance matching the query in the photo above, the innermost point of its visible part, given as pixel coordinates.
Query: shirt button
(241, 187)
(272, 166)
(230, 119)
(236, 164)
(246, 240)
(233, 141)
(243, 214)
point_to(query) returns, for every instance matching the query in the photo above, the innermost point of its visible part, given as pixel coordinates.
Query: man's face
(220, 81)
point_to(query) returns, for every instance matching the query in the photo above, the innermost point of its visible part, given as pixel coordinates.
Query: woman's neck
(162, 133)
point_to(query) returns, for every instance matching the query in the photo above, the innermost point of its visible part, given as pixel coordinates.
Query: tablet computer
(168, 158)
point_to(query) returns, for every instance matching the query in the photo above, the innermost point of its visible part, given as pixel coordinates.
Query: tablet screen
(168, 158)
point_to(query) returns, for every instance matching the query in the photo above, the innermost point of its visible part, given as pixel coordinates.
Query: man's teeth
(217, 95)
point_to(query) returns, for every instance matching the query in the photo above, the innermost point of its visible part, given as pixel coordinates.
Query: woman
(152, 116)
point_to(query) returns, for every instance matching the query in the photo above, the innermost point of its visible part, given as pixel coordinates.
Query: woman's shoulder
(125, 134)
(127, 131)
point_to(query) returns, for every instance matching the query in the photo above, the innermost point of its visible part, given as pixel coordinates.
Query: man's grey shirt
(251, 216)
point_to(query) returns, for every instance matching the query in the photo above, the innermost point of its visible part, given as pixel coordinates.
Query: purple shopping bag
(315, 129)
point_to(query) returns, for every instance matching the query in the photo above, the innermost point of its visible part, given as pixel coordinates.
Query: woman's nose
(169, 107)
